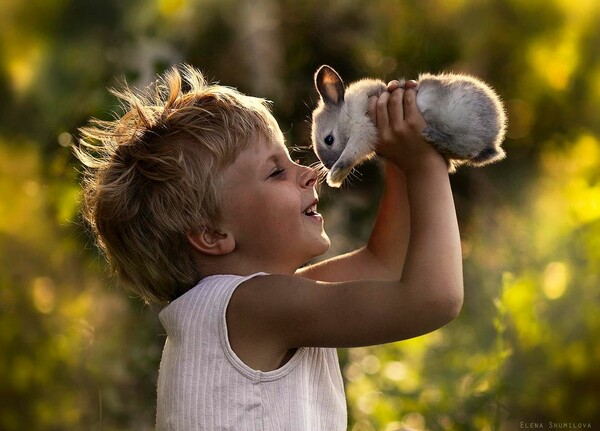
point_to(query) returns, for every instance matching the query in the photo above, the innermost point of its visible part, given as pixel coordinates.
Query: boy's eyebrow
(273, 158)
(277, 156)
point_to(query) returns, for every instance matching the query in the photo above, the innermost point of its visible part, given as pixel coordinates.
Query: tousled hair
(151, 175)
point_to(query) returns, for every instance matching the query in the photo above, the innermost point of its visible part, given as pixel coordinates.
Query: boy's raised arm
(434, 244)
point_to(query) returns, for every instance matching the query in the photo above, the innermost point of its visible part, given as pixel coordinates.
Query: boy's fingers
(382, 110)
(411, 110)
(411, 83)
(392, 85)
(396, 108)
(409, 101)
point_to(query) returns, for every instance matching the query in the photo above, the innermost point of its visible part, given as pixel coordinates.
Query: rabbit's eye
(328, 140)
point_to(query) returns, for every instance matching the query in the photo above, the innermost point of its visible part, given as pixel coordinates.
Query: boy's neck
(236, 265)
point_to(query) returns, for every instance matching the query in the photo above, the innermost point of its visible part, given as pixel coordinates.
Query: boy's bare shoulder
(258, 295)
(256, 319)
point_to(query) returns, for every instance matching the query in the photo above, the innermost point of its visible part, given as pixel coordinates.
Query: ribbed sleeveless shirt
(203, 385)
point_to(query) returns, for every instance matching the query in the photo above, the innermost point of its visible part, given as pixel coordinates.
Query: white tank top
(203, 385)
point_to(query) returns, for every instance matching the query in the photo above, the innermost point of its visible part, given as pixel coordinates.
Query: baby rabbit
(465, 120)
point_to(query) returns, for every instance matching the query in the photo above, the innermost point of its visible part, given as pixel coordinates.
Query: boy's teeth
(310, 210)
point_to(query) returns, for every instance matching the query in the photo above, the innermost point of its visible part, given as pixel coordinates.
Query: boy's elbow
(449, 306)
(455, 303)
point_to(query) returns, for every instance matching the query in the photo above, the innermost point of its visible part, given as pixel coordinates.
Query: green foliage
(76, 353)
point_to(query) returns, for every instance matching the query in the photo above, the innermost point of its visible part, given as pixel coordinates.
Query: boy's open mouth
(312, 209)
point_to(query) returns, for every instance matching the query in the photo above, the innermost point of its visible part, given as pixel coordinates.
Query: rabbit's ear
(329, 85)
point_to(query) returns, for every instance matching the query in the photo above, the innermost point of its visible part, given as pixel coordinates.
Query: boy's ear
(213, 242)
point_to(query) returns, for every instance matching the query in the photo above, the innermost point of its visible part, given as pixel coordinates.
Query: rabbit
(466, 120)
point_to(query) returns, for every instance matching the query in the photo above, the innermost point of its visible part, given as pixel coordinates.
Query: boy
(197, 205)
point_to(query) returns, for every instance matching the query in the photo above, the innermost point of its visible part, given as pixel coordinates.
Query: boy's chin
(319, 247)
(324, 243)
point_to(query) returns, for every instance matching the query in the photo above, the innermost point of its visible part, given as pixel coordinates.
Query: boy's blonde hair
(151, 175)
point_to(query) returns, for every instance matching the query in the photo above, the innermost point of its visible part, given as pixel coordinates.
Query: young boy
(198, 206)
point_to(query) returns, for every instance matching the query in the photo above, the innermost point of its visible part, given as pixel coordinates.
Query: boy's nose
(308, 177)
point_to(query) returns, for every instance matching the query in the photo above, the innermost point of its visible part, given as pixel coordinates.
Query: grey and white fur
(466, 121)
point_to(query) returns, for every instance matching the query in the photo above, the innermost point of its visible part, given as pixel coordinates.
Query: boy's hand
(400, 126)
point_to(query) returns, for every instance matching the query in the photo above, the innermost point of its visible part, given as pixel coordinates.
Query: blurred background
(78, 353)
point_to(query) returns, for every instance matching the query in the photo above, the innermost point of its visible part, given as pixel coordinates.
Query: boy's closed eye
(277, 172)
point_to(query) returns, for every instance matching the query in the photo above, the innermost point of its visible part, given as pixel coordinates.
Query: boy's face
(270, 208)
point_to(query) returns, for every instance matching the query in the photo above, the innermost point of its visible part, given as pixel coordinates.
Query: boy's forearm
(388, 242)
(416, 234)
(433, 263)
